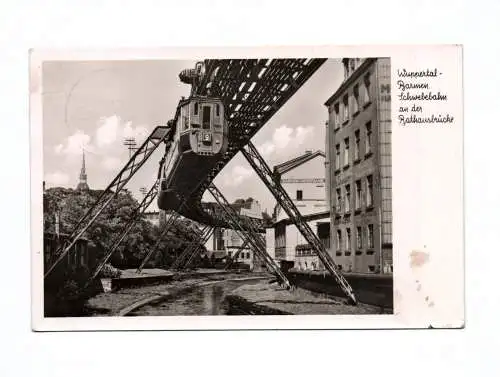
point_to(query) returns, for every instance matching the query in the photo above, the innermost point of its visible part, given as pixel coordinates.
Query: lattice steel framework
(236, 255)
(138, 211)
(264, 172)
(181, 259)
(253, 237)
(159, 135)
(197, 248)
(252, 90)
(173, 217)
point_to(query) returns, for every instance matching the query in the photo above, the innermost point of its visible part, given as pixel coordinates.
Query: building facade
(303, 178)
(358, 167)
(229, 241)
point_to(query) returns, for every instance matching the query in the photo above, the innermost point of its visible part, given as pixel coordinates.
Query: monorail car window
(217, 109)
(196, 108)
(206, 118)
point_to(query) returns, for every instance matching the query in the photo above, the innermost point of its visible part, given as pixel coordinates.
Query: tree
(103, 233)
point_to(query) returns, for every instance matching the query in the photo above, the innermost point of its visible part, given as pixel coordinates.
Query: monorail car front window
(217, 109)
(206, 118)
(195, 108)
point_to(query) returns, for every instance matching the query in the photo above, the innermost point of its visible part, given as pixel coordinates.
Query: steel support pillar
(173, 217)
(264, 172)
(197, 248)
(148, 199)
(247, 233)
(181, 259)
(138, 159)
(236, 255)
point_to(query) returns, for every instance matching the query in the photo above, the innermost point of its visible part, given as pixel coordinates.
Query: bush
(108, 271)
(66, 292)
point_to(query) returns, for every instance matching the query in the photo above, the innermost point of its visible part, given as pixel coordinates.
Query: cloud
(74, 144)
(56, 179)
(112, 163)
(237, 175)
(107, 131)
(286, 140)
(139, 133)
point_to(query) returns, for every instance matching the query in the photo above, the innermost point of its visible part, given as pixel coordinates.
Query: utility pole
(131, 144)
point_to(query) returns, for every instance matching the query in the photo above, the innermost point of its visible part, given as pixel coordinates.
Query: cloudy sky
(95, 105)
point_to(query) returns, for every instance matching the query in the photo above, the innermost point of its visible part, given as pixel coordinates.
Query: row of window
(362, 195)
(342, 110)
(357, 147)
(242, 255)
(371, 268)
(361, 235)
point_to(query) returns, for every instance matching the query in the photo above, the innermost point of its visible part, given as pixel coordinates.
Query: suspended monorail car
(199, 140)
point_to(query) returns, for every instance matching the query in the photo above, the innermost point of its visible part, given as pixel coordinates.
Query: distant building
(303, 178)
(82, 185)
(228, 240)
(153, 217)
(358, 167)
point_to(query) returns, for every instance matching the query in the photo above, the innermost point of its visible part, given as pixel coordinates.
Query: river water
(207, 299)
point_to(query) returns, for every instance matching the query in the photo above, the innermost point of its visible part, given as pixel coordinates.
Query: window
(368, 140)
(299, 194)
(347, 198)
(336, 115)
(217, 109)
(339, 239)
(346, 152)
(371, 242)
(356, 145)
(346, 68)
(348, 239)
(369, 191)
(353, 65)
(355, 96)
(357, 204)
(229, 254)
(248, 255)
(339, 266)
(206, 117)
(359, 238)
(345, 102)
(367, 82)
(371, 268)
(337, 157)
(196, 108)
(339, 201)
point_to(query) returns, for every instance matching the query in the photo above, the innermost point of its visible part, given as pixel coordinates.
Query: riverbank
(270, 299)
(116, 302)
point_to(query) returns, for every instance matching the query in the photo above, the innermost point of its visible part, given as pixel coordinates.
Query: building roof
(358, 72)
(297, 161)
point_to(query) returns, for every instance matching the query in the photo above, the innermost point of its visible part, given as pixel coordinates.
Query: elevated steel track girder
(264, 172)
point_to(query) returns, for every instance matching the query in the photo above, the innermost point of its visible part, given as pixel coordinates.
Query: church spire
(82, 185)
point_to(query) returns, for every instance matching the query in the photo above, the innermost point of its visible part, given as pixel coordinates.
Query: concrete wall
(369, 289)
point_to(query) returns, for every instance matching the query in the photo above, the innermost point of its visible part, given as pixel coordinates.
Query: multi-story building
(303, 178)
(229, 240)
(358, 167)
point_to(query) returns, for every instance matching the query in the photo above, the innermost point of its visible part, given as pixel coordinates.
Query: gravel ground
(298, 301)
(110, 303)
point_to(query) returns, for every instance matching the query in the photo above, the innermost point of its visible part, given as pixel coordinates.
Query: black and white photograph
(217, 187)
(170, 185)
